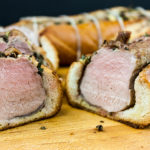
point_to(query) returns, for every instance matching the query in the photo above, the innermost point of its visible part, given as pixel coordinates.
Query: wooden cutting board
(74, 129)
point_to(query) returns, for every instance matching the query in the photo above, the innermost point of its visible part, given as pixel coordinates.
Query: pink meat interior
(106, 79)
(16, 42)
(21, 90)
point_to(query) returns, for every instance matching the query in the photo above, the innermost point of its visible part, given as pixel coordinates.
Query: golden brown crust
(52, 104)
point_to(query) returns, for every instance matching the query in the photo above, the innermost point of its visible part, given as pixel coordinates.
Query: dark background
(12, 10)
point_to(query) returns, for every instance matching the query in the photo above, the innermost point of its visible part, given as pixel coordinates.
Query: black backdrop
(12, 10)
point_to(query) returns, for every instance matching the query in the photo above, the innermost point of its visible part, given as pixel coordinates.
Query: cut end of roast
(21, 89)
(15, 39)
(106, 80)
(115, 83)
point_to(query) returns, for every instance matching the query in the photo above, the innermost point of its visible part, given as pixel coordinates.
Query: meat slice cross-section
(21, 89)
(30, 90)
(115, 81)
(106, 80)
(15, 39)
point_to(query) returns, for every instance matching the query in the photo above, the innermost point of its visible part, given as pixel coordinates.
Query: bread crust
(54, 99)
(137, 116)
(51, 52)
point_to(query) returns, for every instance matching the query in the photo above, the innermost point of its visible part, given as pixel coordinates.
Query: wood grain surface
(75, 129)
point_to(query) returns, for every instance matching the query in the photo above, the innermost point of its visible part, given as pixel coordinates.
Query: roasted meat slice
(29, 88)
(20, 86)
(107, 82)
(29, 91)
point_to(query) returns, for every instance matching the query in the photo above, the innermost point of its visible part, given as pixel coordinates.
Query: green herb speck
(43, 128)
(95, 53)
(2, 54)
(5, 37)
(56, 23)
(86, 59)
(40, 70)
(83, 57)
(80, 21)
(105, 41)
(68, 23)
(147, 35)
(122, 14)
(126, 48)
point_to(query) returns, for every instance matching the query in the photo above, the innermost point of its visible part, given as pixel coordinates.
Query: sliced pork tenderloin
(29, 91)
(20, 87)
(105, 82)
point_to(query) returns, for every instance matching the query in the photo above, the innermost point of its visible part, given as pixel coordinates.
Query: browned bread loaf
(84, 33)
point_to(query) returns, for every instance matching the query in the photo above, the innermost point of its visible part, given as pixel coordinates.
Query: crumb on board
(43, 128)
(99, 127)
(71, 133)
(101, 121)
